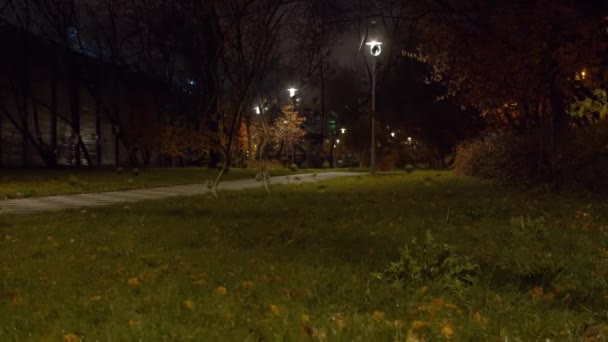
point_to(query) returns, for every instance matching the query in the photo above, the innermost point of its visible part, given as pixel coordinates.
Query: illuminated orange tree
(288, 131)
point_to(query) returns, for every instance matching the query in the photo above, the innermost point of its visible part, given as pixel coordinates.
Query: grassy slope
(299, 264)
(36, 183)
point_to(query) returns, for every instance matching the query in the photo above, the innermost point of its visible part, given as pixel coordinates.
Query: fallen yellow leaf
(275, 309)
(247, 284)
(537, 292)
(188, 304)
(378, 315)
(220, 291)
(71, 338)
(15, 298)
(447, 329)
(133, 281)
(417, 325)
(95, 298)
(134, 323)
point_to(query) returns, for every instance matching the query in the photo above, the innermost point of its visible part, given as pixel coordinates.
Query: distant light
(285, 121)
(72, 32)
(337, 141)
(192, 82)
(257, 109)
(292, 91)
(343, 130)
(375, 47)
(409, 140)
(393, 134)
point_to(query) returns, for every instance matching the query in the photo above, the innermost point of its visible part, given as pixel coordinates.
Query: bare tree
(250, 32)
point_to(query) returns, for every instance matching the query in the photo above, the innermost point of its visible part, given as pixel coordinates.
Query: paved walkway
(38, 204)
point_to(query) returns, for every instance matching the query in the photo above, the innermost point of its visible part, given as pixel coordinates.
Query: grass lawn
(307, 263)
(43, 182)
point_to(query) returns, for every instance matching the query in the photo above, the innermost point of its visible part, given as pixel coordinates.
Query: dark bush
(499, 155)
(581, 158)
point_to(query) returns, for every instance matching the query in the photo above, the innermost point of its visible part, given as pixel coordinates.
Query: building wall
(102, 90)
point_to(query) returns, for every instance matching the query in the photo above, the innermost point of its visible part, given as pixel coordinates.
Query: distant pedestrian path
(51, 203)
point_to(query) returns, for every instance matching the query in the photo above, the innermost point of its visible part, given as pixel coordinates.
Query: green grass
(298, 265)
(43, 182)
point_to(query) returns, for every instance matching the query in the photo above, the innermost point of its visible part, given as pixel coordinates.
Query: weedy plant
(429, 261)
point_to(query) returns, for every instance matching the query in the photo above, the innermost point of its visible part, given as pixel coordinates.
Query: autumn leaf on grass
(71, 338)
(447, 329)
(412, 334)
(275, 310)
(188, 304)
(15, 298)
(133, 281)
(220, 291)
(95, 298)
(378, 315)
(134, 323)
(537, 292)
(246, 284)
(340, 320)
(477, 317)
(199, 279)
(398, 324)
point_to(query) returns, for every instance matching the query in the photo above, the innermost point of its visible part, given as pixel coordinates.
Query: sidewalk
(50, 203)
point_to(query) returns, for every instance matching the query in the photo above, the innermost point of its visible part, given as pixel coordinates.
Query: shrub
(428, 262)
(325, 165)
(293, 167)
(135, 172)
(409, 168)
(581, 158)
(499, 155)
(119, 170)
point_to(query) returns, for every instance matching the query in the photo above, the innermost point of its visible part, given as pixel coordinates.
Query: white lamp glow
(375, 47)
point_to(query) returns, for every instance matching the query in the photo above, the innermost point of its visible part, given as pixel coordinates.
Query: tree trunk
(250, 152)
(53, 109)
(75, 107)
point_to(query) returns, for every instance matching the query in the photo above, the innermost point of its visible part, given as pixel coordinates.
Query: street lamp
(292, 91)
(375, 49)
(343, 130)
(257, 109)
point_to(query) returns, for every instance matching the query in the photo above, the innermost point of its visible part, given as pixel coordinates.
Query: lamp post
(292, 91)
(375, 49)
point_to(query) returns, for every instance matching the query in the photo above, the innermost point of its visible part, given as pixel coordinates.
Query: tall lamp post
(375, 49)
(292, 92)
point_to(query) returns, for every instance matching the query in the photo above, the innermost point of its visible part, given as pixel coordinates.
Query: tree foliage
(287, 129)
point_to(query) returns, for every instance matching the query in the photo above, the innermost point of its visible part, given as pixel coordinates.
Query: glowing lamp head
(375, 47)
(257, 109)
(343, 130)
(292, 91)
(393, 134)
